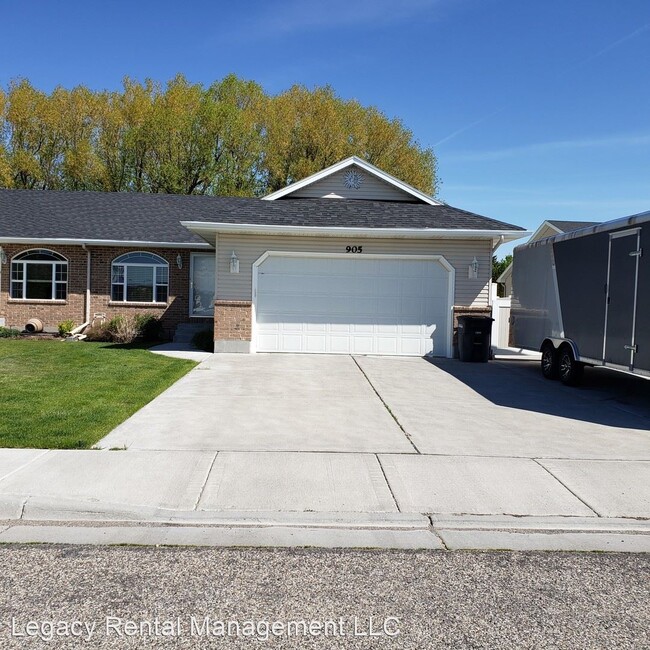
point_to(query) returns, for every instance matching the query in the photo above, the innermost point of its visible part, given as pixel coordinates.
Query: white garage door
(352, 305)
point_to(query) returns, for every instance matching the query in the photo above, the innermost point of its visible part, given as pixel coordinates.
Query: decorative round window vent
(353, 179)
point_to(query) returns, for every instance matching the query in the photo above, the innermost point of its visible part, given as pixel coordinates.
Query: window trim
(57, 260)
(124, 284)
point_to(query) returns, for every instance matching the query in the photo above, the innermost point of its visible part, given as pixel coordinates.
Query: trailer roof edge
(606, 226)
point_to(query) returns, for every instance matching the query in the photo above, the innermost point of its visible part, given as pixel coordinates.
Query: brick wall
(232, 320)
(17, 312)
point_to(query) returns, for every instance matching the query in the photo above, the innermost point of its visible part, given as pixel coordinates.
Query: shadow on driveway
(604, 397)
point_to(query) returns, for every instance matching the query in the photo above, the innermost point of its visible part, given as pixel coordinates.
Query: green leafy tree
(229, 138)
(309, 130)
(499, 266)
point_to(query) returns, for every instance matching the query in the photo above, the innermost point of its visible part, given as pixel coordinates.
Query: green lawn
(69, 395)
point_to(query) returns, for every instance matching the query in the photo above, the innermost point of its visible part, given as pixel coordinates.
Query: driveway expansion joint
(566, 487)
(381, 399)
(205, 481)
(390, 488)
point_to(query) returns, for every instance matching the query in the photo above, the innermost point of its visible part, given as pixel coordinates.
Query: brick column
(232, 325)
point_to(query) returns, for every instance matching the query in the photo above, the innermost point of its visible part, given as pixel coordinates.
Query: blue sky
(536, 110)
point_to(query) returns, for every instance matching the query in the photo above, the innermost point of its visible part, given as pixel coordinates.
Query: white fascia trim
(507, 272)
(352, 160)
(544, 224)
(100, 242)
(204, 229)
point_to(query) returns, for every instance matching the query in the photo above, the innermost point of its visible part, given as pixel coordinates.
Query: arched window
(39, 274)
(139, 277)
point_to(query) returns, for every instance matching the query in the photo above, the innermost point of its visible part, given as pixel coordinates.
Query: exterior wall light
(234, 263)
(472, 271)
(3, 256)
(179, 261)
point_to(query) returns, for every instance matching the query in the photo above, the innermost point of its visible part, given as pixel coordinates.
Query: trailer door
(622, 281)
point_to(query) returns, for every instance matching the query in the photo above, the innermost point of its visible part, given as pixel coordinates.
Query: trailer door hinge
(634, 348)
(638, 253)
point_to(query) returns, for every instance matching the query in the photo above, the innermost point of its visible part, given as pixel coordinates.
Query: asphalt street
(117, 597)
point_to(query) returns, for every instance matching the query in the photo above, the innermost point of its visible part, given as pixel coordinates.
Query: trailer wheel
(550, 362)
(570, 370)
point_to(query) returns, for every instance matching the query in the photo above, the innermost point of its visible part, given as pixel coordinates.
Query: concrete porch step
(185, 331)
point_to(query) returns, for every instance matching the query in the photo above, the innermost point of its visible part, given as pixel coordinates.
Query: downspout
(3, 261)
(494, 250)
(87, 303)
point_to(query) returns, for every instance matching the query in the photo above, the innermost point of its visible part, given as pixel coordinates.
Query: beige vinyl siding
(459, 253)
(372, 188)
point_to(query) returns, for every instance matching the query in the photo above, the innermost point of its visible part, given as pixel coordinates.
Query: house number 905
(354, 249)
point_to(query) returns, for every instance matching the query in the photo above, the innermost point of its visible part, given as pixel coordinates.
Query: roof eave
(208, 231)
(63, 241)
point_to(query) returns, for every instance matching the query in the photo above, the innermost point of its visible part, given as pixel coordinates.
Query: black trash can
(474, 333)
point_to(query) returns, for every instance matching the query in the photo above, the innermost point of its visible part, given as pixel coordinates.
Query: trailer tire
(550, 361)
(570, 370)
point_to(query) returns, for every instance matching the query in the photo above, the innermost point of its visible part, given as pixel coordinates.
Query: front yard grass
(69, 395)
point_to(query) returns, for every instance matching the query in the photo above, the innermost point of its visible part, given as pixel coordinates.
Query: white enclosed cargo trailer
(583, 298)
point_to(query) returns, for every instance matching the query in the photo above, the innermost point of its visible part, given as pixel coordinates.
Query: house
(547, 229)
(348, 260)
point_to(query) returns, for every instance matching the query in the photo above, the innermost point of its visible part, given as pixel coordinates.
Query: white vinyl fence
(501, 315)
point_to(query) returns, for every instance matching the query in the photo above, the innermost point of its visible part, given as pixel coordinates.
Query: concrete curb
(39, 520)
(275, 536)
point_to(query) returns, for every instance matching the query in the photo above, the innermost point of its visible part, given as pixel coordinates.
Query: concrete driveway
(399, 405)
(475, 455)
(266, 403)
(380, 434)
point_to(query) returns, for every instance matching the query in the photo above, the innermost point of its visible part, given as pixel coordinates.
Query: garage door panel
(312, 328)
(388, 307)
(387, 345)
(411, 287)
(340, 344)
(315, 343)
(362, 345)
(356, 305)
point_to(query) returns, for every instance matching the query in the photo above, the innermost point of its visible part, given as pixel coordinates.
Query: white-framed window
(39, 274)
(139, 277)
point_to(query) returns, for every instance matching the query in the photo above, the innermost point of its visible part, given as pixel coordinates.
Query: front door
(624, 251)
(202, 284)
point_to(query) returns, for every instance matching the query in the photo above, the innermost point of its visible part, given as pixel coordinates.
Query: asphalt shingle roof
(568, 226)
(122, 216)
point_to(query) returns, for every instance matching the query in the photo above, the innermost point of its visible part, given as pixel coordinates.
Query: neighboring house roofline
(544, 224)
(632, 221)
(507, 272)
(366, 166)
(207, 229)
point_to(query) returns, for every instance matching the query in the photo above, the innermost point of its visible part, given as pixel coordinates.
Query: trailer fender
(557, 343)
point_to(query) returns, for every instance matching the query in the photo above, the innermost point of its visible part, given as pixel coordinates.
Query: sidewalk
(323, 499)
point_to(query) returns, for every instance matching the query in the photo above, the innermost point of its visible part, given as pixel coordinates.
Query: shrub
(122, 329)
(8, 333)
(149, 327)
(204, 340)
(65, 327)
(98, 333)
